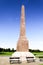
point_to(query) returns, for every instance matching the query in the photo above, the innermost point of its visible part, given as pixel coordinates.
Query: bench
(30, 59)
(14, 60)
(41, 58)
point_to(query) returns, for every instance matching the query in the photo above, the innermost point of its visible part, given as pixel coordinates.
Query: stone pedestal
(23, 55)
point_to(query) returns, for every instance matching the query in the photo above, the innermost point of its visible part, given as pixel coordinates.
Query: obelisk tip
(22, 6)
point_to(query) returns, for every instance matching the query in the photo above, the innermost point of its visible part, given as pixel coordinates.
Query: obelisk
(22, 45)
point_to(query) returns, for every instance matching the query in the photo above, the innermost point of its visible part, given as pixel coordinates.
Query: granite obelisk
(22, 45)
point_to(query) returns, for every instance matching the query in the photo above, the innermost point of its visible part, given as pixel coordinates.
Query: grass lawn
(37, 54)
(6, 53)
(41, 64)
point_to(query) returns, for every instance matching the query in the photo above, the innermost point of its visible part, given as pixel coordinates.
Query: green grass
(37, 54)
(41, 64)
(6, 53)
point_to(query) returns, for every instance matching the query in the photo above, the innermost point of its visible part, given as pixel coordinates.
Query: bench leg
(10, 61)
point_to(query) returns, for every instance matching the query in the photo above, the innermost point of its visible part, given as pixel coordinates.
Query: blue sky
(10, 12)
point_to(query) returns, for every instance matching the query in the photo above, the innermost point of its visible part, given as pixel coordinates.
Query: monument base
(23, 55)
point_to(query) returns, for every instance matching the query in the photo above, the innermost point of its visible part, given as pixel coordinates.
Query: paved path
(4, 60)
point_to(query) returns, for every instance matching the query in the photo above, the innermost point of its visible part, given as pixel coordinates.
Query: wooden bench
(14, 60)
(30, 59)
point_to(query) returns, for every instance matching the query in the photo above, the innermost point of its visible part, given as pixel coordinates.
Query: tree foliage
(37, 50)
(12, 50)
(7, 50)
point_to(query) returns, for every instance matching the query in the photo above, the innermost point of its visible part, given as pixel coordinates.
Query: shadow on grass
(2, 53)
